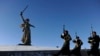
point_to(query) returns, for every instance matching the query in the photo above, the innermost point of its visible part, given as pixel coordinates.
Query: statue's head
(27, 20)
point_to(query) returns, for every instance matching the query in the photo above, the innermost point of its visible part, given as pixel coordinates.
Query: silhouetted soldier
(77, 49)
(26, 29)
(65, 50)
(94, 41)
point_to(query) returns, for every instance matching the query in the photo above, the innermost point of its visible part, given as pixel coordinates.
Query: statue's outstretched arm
(32, 26)
(21, 14)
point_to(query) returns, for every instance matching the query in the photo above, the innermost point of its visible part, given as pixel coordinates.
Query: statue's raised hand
(21, 13)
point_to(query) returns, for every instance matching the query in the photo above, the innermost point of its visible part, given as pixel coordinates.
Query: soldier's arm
(70, 37)
(62, 36)
(99, 38)
(81, 43)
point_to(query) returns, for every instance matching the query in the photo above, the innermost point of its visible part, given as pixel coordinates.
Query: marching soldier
(77, 49)
(94, 41)
(65, 50)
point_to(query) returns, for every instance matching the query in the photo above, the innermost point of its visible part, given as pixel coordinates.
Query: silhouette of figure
(77, 49)
(94, 41)
(26, 39)
(65, 50)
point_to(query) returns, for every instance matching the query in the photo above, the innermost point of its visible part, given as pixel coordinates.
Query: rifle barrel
(63, 28)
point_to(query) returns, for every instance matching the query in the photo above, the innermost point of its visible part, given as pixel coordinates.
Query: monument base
(23, 50)
(26, 50)
(25, 44)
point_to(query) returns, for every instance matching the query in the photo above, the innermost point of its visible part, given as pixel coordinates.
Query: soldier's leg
(78, 54)
(97, 52)
(89, 52)
(59, 52)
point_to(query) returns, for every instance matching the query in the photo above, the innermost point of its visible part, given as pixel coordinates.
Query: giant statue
(26, 39)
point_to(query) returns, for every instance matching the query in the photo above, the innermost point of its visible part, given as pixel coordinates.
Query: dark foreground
(35, 53)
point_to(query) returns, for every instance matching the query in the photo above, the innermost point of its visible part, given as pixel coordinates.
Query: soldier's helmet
(66, 31)
(77, 37)
(94, 32)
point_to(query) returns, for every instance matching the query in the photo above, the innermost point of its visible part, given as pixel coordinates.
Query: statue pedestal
(23, 50)
(25, 44)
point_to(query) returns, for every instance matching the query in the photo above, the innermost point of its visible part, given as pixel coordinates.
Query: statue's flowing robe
(26, 39)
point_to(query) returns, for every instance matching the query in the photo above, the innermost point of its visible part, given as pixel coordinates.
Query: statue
(26, 39)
